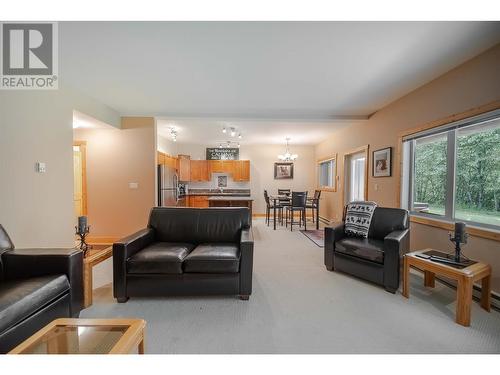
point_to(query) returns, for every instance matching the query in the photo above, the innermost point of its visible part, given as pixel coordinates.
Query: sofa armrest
(332, 234)
(124, 249)
(396, 244)
(23, 263)
(246, 261)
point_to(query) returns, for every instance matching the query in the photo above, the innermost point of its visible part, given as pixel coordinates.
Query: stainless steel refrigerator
(168, 186)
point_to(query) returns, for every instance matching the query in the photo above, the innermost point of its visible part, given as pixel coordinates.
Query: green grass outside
(485, 217)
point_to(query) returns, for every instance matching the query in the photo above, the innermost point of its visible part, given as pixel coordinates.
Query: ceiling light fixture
(173, 133)
(287, 156)
(239, 136)
(233, 132)
(224, 130)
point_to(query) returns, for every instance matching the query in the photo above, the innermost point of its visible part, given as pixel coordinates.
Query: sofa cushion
(365, 248)
(159, 257)
(213, 258)
(21, 298)
(198, 225)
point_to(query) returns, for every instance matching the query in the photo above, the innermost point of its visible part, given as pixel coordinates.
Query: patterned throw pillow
(358, 218)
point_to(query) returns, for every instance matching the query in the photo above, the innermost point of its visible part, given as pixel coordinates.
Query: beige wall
(166, 146)
(116, 158)
(475, 83)
(37, 208)
(262, 158)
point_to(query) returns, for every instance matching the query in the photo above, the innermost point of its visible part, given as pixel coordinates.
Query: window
(453, 172)
(356, 188)
(327, 174)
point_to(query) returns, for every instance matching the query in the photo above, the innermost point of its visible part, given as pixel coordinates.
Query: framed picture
(221, 181)
(283, 171)
(382, 162)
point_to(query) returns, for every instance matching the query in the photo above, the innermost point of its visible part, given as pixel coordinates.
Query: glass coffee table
(86, 336)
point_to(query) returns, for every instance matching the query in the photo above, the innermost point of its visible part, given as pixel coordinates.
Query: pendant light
(287, 156)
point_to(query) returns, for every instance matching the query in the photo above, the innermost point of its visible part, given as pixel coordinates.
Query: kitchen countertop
(218, 193)
(229, 198)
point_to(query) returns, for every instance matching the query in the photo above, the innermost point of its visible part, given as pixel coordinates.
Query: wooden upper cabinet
(217, 166)
(199, 170)
(161, 157)
(241, 170)
(164, 159)
(171, 161)
(184, 168)
(238, 169)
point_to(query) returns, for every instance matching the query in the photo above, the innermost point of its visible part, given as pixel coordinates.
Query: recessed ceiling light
(224, 130)
(233, 132)
(239, 136)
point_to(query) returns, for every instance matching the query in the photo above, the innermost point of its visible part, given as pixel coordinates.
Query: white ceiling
(298, 70)
(209, 131)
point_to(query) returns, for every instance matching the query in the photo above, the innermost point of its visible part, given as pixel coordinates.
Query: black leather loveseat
(36, 287)
(186, 251)
(376, 258)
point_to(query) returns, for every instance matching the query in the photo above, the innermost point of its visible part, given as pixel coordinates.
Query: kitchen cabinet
(184, 167)
(231, 202)
(171, 161)
(241, 170)
(164, 159)
(238, 169)
(220, 166)
(161, 158)
(199, 171)
(198, 201)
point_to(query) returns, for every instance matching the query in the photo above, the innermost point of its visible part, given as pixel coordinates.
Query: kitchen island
(224, 201)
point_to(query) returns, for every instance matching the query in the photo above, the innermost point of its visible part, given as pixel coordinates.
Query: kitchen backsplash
(213, 183)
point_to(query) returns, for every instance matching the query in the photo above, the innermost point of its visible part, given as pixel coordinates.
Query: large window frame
(450, 130)
(331, 161)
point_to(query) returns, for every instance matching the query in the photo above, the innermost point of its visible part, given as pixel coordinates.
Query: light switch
(133, 185)
(40, 167)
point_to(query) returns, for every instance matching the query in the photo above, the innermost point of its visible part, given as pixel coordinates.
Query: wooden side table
(465, 278)
(94, 256)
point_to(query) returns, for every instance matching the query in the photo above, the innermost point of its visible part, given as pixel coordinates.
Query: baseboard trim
(476, 291)
(309, 216)
(101, 240)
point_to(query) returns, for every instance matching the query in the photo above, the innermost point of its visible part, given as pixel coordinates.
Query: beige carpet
(297, 306)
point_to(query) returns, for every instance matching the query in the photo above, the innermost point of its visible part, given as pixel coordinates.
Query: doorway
(79, 178)
(356, 175)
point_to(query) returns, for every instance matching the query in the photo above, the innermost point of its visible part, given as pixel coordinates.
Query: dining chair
(284, 202)
(298, 203)
(314, 204)
(270, 206)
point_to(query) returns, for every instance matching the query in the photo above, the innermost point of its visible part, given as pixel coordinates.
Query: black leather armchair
(36, 287)
(186, 251)
(376, 258)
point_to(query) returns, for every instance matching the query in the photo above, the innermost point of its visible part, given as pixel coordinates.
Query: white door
(355, 177)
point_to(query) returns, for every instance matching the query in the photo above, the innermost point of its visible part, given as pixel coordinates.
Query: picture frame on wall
(283, 171)
(382, 162)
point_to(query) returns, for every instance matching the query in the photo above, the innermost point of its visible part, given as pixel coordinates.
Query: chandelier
(288, 156)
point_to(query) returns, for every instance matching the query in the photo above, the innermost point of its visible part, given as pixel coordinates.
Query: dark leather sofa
(376, 258)
(186, 251)
(36, 287)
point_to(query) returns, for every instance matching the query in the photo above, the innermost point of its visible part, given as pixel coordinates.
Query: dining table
(287, 198)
